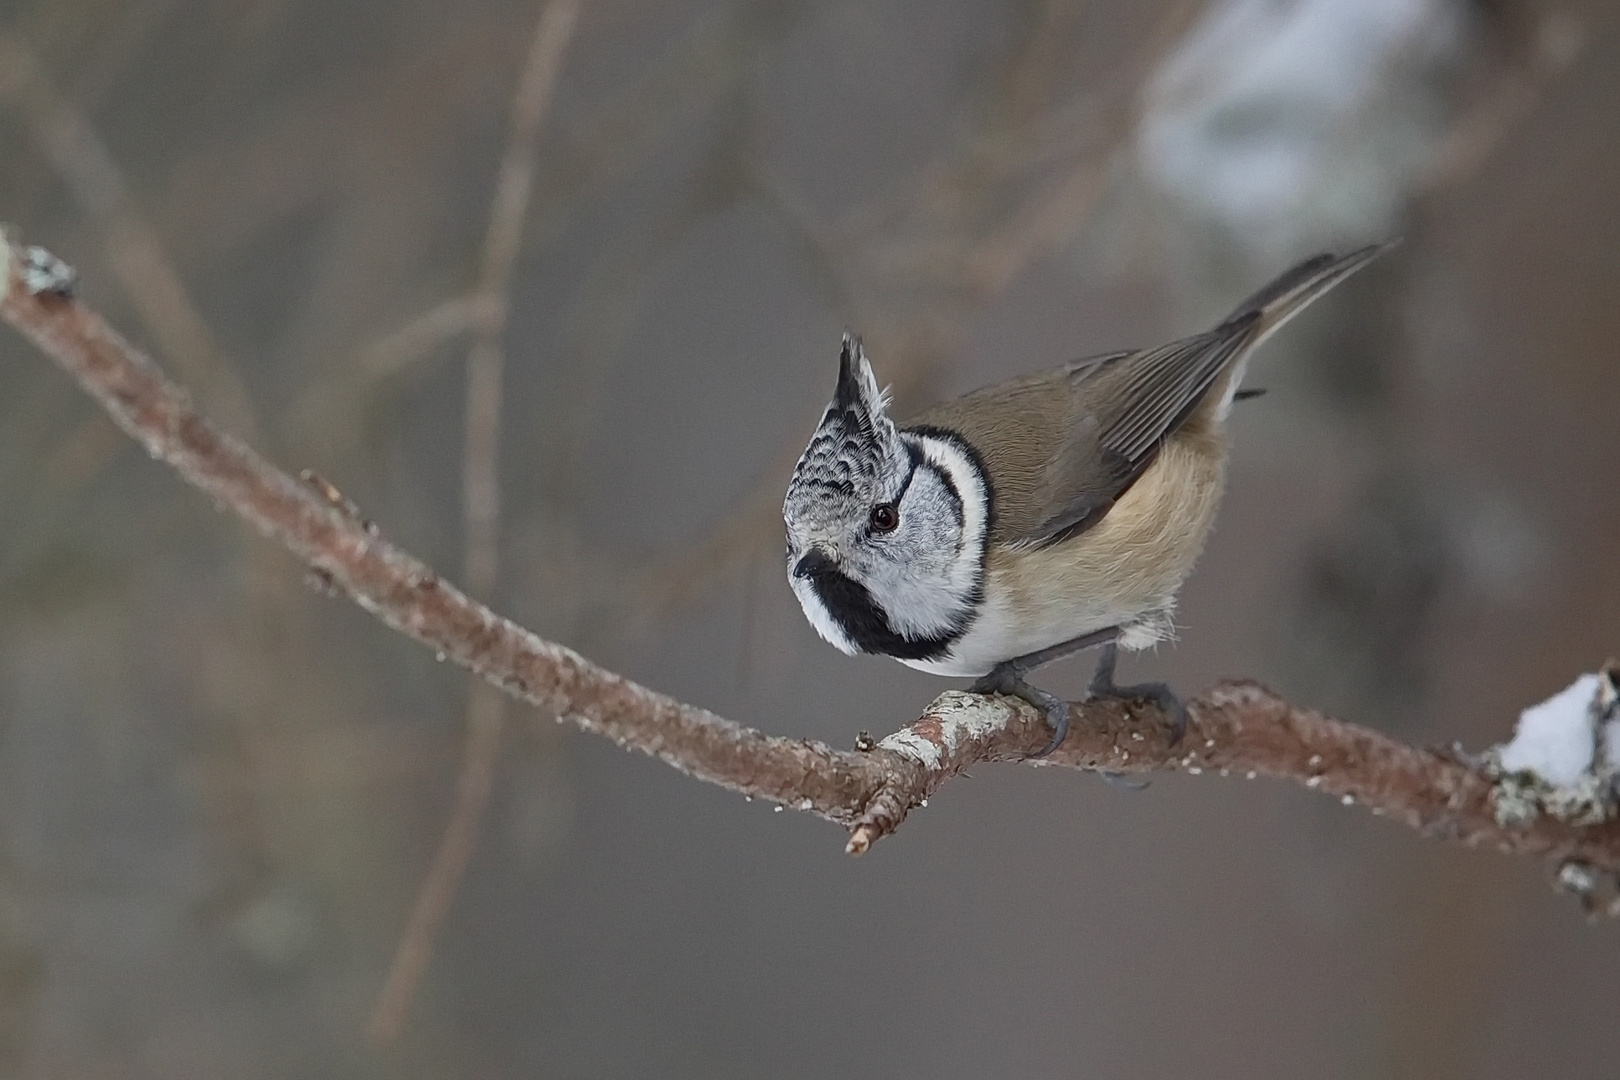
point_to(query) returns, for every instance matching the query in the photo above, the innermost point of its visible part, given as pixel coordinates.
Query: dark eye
(885, 518)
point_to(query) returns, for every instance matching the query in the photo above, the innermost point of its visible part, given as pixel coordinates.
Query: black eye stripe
(957, 509)
(986, 488)
(915, 457)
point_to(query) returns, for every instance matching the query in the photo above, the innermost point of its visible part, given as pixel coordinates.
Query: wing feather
(1062, 446)
(1158, 389)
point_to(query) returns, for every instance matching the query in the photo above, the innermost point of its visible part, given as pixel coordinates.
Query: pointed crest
(857, 388)
(855, 448)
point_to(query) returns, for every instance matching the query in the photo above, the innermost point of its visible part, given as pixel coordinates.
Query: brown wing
(1061, 446)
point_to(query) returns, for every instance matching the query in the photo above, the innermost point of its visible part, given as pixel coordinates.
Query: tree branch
(1235, 727)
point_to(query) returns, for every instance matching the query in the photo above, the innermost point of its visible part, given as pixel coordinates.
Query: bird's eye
(885, 518)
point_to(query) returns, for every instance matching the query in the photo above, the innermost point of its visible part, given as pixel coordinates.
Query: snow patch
(1557, 740)
(1564, 755)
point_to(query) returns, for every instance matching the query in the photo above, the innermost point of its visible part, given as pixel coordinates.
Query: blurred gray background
(219, 791)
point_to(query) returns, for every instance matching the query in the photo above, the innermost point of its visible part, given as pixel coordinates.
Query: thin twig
(1236, 727)
(324, 410)
(474, 785)
(619, 137)
(485, 710)
(514, 185)
(134, 251)
(411, 342)
(141, 262)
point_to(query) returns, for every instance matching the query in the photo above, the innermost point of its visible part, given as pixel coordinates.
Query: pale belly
(996, 635)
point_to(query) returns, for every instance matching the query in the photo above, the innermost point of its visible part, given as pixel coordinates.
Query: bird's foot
(1008, 678)
(1103, 685)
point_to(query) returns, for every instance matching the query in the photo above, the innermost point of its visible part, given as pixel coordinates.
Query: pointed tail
(1289, 294)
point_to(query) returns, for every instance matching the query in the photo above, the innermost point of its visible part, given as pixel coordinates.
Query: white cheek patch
(964, 476)
(820, 617)
(962, 473)
(935, 595)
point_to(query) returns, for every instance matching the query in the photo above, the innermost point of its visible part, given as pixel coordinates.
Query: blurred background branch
(481, 517)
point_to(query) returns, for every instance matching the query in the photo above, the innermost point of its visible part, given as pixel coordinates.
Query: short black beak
(814, 563)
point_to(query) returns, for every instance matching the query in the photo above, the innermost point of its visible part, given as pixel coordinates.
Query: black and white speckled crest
(851, 455)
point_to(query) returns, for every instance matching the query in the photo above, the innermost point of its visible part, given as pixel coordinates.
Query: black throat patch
(865, 624)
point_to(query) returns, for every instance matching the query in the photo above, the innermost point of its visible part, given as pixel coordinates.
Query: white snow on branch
(1558, 739)
(1564, 754)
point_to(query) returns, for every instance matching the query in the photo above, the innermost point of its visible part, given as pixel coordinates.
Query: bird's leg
(1103, 685)
(1007, 678)
(1031, 661)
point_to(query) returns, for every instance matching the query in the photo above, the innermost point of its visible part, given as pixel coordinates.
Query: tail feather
(1262, 314)
(1289, 294)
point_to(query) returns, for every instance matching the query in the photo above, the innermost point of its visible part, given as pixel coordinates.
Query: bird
(1029, 520)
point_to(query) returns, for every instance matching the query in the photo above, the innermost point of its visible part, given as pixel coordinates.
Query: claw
(1160, 694)
(1103, 685)
(1178, 714)
(1058, 717)
(1008, 679)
